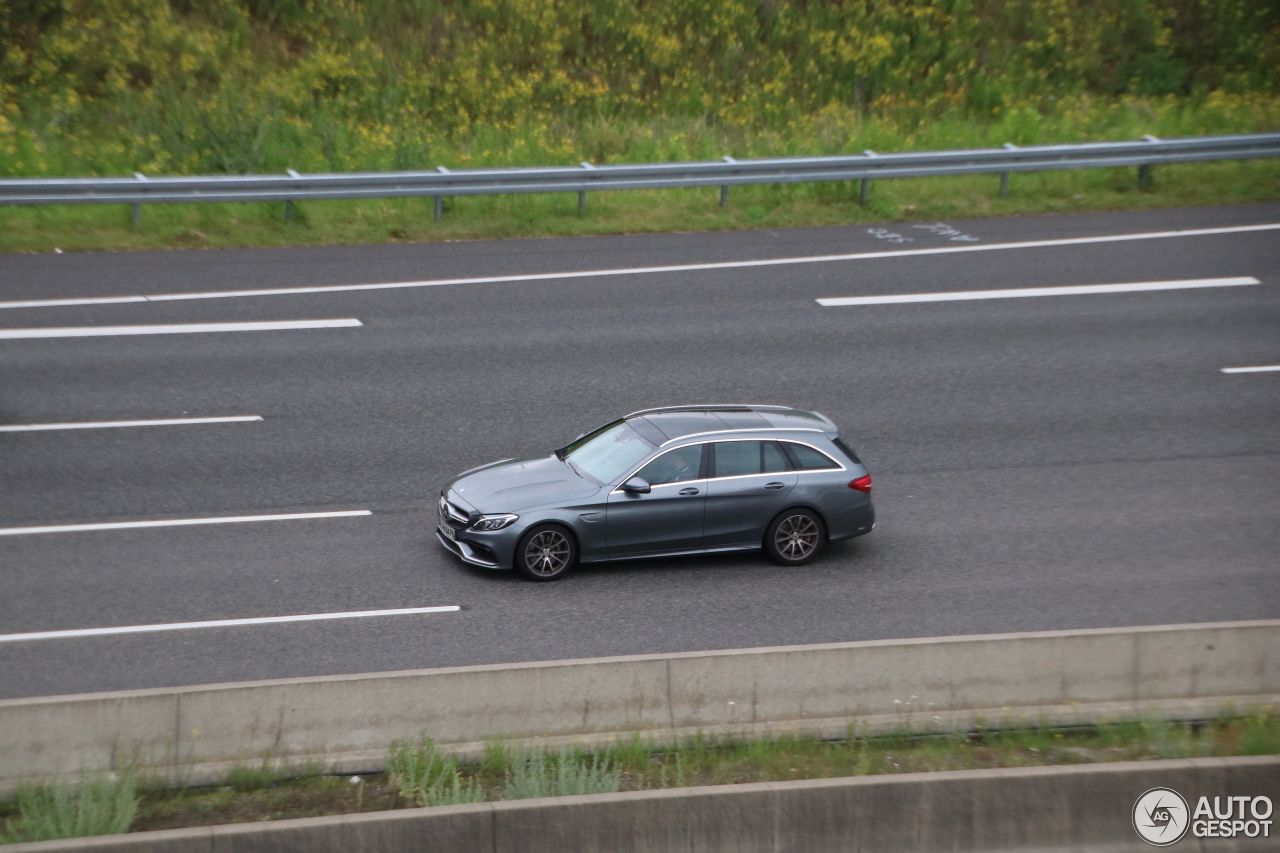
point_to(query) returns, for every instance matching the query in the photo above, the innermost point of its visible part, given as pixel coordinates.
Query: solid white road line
(177, 522)
(235, 419)
(180, 329)
(814, 259)
(1011, 293)
(1264, 369)
(221, 623)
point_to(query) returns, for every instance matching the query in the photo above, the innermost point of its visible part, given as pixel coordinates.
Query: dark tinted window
(808, 459)
(739, 458)
(839, 442)
(773, 458)
(674, 466)
(736, 458)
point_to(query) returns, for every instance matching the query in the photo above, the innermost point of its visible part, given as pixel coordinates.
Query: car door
(749, 482)
(669, 516)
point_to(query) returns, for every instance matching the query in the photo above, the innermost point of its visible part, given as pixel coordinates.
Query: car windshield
(609, 452)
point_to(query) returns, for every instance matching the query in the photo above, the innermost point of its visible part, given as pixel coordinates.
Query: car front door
(750, 480)
(669, 516)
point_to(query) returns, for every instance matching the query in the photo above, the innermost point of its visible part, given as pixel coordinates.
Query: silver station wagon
(661, 482)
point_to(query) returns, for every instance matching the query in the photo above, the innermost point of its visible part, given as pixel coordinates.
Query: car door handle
(689, 491)
(775, 485)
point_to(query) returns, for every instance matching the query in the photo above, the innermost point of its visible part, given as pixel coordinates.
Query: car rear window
(848, 451)
(808, 459)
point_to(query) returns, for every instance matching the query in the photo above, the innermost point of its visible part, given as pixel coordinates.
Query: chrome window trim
(772, 473)
(744, 429)
(618, 487)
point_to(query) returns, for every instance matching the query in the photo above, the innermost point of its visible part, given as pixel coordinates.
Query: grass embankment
(418, 775)
(261, 86)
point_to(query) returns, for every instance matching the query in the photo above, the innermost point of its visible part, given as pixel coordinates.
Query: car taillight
(862, 484)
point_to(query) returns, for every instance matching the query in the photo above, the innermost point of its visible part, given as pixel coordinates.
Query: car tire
(794, 537)
(547, 552)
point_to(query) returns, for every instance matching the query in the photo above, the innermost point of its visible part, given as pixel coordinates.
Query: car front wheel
(794, 537)
(546, 553)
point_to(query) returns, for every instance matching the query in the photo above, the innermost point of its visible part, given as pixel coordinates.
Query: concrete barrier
(346, 722)
(1075, 808)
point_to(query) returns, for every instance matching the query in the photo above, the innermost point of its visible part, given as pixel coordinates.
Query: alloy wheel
(547, 553)
(796, 537)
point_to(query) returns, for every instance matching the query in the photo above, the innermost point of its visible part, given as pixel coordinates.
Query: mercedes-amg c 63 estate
(660, 482)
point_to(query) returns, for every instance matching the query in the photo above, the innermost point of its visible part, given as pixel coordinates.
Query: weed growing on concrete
(426, 777)
(97, 806)
(532, 773)
(1261, 736)
(420, 774)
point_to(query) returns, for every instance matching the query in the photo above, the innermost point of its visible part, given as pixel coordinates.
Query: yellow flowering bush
(115, 86)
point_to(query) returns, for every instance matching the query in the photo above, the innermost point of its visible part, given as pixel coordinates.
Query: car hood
(519, 484)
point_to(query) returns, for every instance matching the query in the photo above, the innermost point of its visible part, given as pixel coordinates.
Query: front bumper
(463, 550)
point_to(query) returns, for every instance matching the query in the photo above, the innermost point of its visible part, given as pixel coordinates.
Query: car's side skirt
(606, 558)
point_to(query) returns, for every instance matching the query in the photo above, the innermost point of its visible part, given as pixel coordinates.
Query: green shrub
(96, 806)
(424, 776)
(533, 774)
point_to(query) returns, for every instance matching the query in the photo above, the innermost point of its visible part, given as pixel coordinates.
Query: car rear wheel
(794, 537)
(546, 553)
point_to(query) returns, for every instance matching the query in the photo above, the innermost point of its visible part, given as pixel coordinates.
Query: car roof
(668, 423)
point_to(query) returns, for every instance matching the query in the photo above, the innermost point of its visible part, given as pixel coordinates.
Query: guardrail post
(582, 194)
(288, 203)
(866, 182)
(137, 208)
(1004, 176)
(724, 188)
(1144, 171)
(440, 201)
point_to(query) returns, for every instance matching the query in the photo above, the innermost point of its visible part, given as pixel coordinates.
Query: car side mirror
(637, 486)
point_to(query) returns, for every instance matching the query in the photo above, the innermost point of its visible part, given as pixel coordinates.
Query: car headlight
(494, 522)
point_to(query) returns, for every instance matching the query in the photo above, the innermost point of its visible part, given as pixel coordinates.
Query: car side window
(808, 459)
(772, 458)
(674, 466)
(737, 458)
(741, 458)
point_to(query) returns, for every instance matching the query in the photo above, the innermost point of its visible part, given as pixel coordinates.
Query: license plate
(448, 532)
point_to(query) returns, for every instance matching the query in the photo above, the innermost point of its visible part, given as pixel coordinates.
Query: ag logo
(1160, 817)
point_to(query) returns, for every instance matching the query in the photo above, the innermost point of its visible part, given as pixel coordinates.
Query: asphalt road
(1039, 463)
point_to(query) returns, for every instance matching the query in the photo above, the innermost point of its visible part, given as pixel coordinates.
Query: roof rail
(712, 407)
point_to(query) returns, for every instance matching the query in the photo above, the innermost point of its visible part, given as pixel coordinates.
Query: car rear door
(749, 483)
(669, 517)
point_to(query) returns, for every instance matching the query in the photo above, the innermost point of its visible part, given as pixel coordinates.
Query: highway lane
(1039, 463)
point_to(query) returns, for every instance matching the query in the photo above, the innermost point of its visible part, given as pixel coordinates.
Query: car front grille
(452, 514)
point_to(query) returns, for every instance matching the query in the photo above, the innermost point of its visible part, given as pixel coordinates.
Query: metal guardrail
(443, 183)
